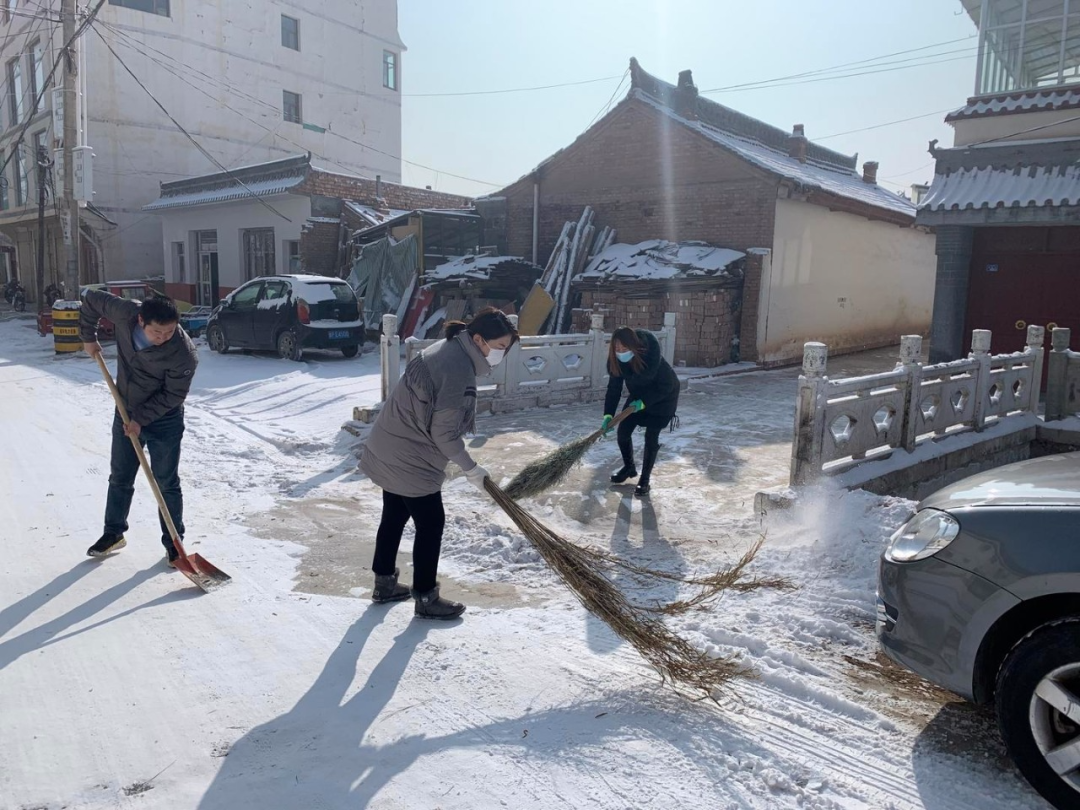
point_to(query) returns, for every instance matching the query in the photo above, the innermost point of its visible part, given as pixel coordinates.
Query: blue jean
(162, 440)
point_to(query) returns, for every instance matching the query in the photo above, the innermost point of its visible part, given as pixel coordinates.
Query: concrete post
(390, 355)
(1036, 338)
(1057, 377)
(809, 416)
(598, 355)
(669, 343)
(980, 351)
(911, 361)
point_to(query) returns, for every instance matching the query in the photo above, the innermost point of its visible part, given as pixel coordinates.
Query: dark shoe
(107, 545)
(626, 472)
(430, 605)
(647, 464)
(171, 556)
(388, 590)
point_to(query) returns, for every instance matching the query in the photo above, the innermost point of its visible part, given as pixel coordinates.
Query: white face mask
(495, 356)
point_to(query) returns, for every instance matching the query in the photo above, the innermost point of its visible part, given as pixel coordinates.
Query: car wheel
(215, 336)
(1038, 706)
(288, 346)
(351, 351)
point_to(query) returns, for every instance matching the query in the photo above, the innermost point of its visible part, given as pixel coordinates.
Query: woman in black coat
(634, 358)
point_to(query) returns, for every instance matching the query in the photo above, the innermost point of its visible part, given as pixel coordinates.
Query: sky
(491, 140)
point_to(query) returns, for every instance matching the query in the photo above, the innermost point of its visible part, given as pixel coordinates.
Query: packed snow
(122, 686)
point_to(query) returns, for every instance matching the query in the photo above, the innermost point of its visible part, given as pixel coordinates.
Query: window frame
(258, 253)
(291, 252)
(296, 32)
(5, 203)
(299, 107)
(136, 5)
(391, 70)
(13, 75)
(179, 261)
(36, 76)
(22, 182)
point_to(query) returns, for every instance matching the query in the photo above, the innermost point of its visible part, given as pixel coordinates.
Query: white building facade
(249, 82)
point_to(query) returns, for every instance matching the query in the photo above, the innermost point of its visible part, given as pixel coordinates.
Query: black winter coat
(656, 385)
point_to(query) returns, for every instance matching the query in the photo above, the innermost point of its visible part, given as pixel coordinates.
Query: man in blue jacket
(155, 364)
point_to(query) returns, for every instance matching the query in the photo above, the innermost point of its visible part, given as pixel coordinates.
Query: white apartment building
(250, 82)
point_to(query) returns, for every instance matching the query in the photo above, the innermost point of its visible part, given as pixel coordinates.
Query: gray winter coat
(421, 427)
(152, 382)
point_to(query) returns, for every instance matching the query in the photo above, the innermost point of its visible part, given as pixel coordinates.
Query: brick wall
(706, 325)
(359, 189)
(701, 192)
(319, 243)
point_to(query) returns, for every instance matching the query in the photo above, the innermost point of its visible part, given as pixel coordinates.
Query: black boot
(429, 605)
(646, 470)
(387, 588)
(107, 545)
(626, 447)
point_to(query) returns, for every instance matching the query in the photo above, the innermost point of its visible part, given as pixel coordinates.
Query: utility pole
(71, 129)
(42, 170)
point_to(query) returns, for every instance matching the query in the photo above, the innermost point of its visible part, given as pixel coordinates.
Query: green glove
(637, 405)
(606, 425)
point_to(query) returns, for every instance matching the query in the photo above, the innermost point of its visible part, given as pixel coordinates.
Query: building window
(37, 77)
(1025, 46)
(3, 186)
(179, 270)
(149, 6)
(291, 107)
(292, 255)
(22, 184)
(259, 257)
(390, 70)
(9, 6)
(290, 32)
(15, 91)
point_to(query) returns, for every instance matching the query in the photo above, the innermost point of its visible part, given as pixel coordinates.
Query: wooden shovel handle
(173, 533)
(623, 415)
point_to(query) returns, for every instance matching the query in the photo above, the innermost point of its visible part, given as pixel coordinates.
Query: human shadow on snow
(329, 751)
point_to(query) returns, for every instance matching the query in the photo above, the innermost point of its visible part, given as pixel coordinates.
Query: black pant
(653, 425)
(162, 440)
(429, 518)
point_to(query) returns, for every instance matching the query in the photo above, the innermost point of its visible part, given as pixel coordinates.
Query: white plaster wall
(229, 219)
(1058, 123)
(219, 68)
(843, 280)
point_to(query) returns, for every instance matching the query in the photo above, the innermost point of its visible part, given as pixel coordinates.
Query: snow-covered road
(121, 686)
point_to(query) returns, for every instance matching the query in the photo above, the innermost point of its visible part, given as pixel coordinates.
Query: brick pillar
(951, 292)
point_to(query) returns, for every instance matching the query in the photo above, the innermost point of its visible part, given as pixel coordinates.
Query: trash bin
(65, 327)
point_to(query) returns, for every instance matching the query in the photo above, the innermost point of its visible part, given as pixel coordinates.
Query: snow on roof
(226, 193)
(1013, 187)
(479, 267)
(809, 175)
(658, 259)
(374, 216)
(1057, 99)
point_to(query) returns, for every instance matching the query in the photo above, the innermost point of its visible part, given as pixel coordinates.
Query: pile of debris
(577, 244)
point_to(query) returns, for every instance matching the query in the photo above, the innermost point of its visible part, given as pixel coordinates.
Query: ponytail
(454, 328)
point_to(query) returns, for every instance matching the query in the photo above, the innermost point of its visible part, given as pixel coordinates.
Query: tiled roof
(818, 175)
(260, 180)
(1031, 101)
(1020, 187)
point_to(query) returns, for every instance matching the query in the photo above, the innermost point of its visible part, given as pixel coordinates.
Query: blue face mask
(624, 357)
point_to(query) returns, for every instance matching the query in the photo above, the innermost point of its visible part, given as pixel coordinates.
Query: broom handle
(599, 433)
(173, 533)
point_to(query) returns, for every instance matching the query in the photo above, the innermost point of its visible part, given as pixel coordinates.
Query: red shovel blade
(198, 570)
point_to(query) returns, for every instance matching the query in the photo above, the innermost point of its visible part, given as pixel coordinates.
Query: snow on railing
(538, 370)
(1063, 379)
(839, 423)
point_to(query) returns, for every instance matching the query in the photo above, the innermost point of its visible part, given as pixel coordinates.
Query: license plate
(339, 334)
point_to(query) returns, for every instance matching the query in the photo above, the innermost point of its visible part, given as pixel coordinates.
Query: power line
(187, 134)
(886, 124)
(511, 89)
(607, 106)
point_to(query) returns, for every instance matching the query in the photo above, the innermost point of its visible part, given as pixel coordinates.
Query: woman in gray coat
(421, 429)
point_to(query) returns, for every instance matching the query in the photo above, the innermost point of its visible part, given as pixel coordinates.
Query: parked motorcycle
(15, 294)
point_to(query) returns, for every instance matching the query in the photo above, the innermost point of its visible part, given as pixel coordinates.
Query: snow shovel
(193, 566)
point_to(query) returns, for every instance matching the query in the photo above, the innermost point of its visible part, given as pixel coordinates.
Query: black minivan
(288, 314)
